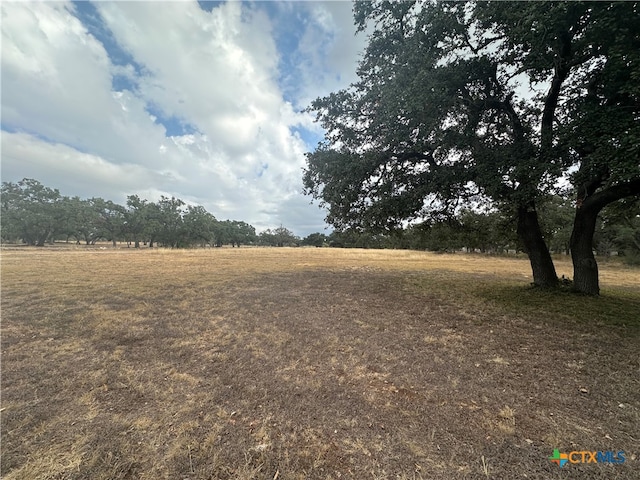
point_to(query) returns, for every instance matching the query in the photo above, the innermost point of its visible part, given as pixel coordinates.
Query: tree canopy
(35, 214)
(501, 103)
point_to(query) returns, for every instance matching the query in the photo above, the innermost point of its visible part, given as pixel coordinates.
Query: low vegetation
(306, 363)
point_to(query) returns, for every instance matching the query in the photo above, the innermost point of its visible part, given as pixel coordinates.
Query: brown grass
(310, 364)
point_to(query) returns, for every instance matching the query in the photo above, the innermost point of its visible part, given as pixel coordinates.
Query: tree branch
(561, 71)
(601, 199)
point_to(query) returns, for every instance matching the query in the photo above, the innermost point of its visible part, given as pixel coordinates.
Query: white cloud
(330, 49)
(216, 71)
(71, 171)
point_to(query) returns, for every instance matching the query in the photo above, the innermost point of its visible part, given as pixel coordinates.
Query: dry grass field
(285, 364)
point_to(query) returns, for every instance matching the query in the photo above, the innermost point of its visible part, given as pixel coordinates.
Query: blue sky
(198, 100)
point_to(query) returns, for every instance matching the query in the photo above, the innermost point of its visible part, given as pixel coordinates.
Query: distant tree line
(35, 214)
(617, 232)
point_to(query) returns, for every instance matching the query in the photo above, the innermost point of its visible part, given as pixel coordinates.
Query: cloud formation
(110, 99)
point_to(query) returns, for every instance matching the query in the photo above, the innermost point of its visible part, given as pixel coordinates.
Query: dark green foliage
(31, 212)
(556, 215)
(353, 238)
(199, 225)
(619, 231)
(315, 240)
(136, 219)
(110, 219)
(170, 217)
(35, 214)
(279, 237)
(234, 233)
(441, 116)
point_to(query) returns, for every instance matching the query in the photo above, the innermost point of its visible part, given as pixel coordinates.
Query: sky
(202, 101)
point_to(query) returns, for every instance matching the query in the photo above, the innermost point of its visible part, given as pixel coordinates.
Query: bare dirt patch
(310, 364)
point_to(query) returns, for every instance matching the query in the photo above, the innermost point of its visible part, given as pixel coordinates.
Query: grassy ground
(311, 364)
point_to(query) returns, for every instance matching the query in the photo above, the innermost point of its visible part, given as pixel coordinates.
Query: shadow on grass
(618, 308)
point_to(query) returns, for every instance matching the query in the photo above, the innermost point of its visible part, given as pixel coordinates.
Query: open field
(311, 364)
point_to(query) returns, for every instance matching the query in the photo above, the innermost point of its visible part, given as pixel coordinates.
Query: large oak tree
(463, 102)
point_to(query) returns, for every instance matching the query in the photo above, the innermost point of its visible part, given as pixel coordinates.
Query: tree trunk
(585, 267)
(544, 272)
(590, 202)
